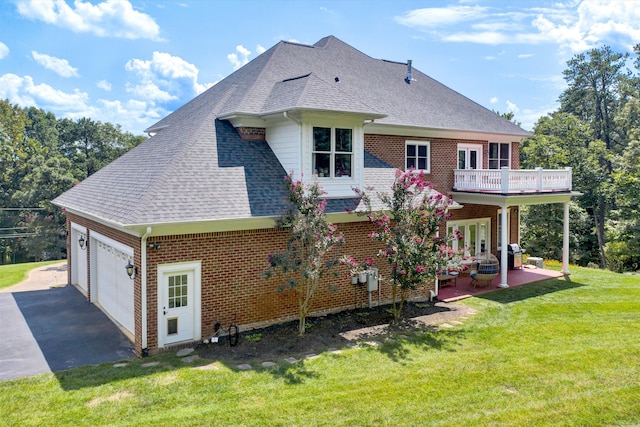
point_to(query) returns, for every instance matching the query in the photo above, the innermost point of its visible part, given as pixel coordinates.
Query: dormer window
(332, 152)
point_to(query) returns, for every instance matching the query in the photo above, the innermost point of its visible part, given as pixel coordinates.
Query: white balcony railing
(507, 180)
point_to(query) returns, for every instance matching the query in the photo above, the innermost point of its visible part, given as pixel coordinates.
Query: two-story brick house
(190, 212)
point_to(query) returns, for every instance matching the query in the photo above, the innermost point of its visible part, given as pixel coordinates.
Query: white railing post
(504, 178)
(570, 178)
(539, 170)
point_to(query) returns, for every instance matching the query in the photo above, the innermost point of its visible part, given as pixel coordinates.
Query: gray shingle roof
(196, 168)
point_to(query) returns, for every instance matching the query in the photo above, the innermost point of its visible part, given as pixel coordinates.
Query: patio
(522, 276)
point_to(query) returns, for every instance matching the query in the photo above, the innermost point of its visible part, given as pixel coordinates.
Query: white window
(499, 155)
(332, 152)
(418, 156)
(475, 235)
(469, 156)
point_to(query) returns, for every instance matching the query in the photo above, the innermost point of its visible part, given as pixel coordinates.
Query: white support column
(565, 240)
(503, 254)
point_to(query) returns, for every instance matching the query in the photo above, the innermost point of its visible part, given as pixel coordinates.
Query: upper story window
(418, 156)
(499, 155)
(332, 152)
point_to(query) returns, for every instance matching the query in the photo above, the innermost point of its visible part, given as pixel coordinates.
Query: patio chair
(488, 269)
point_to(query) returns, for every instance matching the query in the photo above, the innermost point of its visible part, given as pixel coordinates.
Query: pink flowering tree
(408, 224)
(312, 244)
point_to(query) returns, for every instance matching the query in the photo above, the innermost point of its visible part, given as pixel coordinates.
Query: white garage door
(113, 287)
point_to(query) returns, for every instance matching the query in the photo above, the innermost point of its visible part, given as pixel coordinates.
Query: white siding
(284, 139)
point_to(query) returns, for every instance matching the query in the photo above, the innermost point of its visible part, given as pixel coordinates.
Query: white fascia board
(205, 226)
(512, 199)
(105, 222)
(409, 131)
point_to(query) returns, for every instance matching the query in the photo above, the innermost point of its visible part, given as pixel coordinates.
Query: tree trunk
(599, 218)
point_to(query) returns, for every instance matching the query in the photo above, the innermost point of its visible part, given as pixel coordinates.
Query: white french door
(475, 235)
(469, 156)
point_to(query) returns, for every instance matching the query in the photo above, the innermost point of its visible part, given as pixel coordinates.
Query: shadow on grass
(398, 347)
(531, 290)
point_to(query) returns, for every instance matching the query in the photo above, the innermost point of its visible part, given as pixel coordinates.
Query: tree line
(595, 131)
(42, 156)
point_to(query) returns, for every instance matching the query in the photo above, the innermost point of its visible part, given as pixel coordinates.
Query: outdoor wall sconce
(82, 243)
(131, 270)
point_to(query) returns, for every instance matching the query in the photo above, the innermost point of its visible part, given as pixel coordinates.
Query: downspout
(143, 290)
(286, 116)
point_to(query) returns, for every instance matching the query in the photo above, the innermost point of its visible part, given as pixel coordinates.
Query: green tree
(595, 94)
(408, 223)
(312, 244)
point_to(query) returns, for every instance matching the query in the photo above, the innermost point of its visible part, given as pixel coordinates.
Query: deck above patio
(512, 181)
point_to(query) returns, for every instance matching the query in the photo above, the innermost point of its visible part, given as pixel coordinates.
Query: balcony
(512, 181)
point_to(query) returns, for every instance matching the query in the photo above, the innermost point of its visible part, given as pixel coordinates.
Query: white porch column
(565, 240)
(504, 238)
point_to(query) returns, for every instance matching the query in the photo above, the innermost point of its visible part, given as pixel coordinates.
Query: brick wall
(234, 289)
(251, 134)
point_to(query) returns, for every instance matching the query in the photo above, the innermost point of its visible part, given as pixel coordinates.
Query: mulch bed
(333, 331)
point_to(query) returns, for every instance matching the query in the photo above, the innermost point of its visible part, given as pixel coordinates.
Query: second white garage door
(112, 288)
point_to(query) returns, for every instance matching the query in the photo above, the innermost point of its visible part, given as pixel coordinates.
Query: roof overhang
(244, 119)
(506, 200)
(413, 131)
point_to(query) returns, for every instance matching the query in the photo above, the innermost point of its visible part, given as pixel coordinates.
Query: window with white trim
(332, 152)
(418, 155)
(475, 235)
(499, 155)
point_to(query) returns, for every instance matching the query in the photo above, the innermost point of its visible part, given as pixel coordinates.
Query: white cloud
(432, 17)
(493, 100)
(110, 18)
(572, 25)
(511, 107)
(260, 49)
(23, 91)
(104, 85)
(525, 55)
(57, 65)
(240, 58)
(4, 50)
(164, 78)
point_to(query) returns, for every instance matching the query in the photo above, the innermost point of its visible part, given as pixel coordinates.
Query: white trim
(196, 268)
(508, 144)
(412, 131)
(486, 221)
(499, 222)
(467, 148)
(113, 243)
(418, 143)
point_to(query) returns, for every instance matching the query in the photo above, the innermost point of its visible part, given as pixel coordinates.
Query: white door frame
(79, 265)
(467, 148)
(194, 267)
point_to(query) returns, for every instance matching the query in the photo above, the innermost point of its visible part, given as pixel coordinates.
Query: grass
(551, 353)
(12, 274)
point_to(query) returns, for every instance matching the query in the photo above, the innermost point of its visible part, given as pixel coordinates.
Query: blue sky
(133, 62)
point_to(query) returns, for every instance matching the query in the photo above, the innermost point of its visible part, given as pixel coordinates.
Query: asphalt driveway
(45, 328)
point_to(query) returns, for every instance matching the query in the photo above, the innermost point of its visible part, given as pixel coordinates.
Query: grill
(514, 253)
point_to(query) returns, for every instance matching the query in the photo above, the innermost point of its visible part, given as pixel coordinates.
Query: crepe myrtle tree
(408, 224)
(312, 245)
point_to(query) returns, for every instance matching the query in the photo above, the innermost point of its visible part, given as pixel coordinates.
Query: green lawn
(551, 353)
(12, 274)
